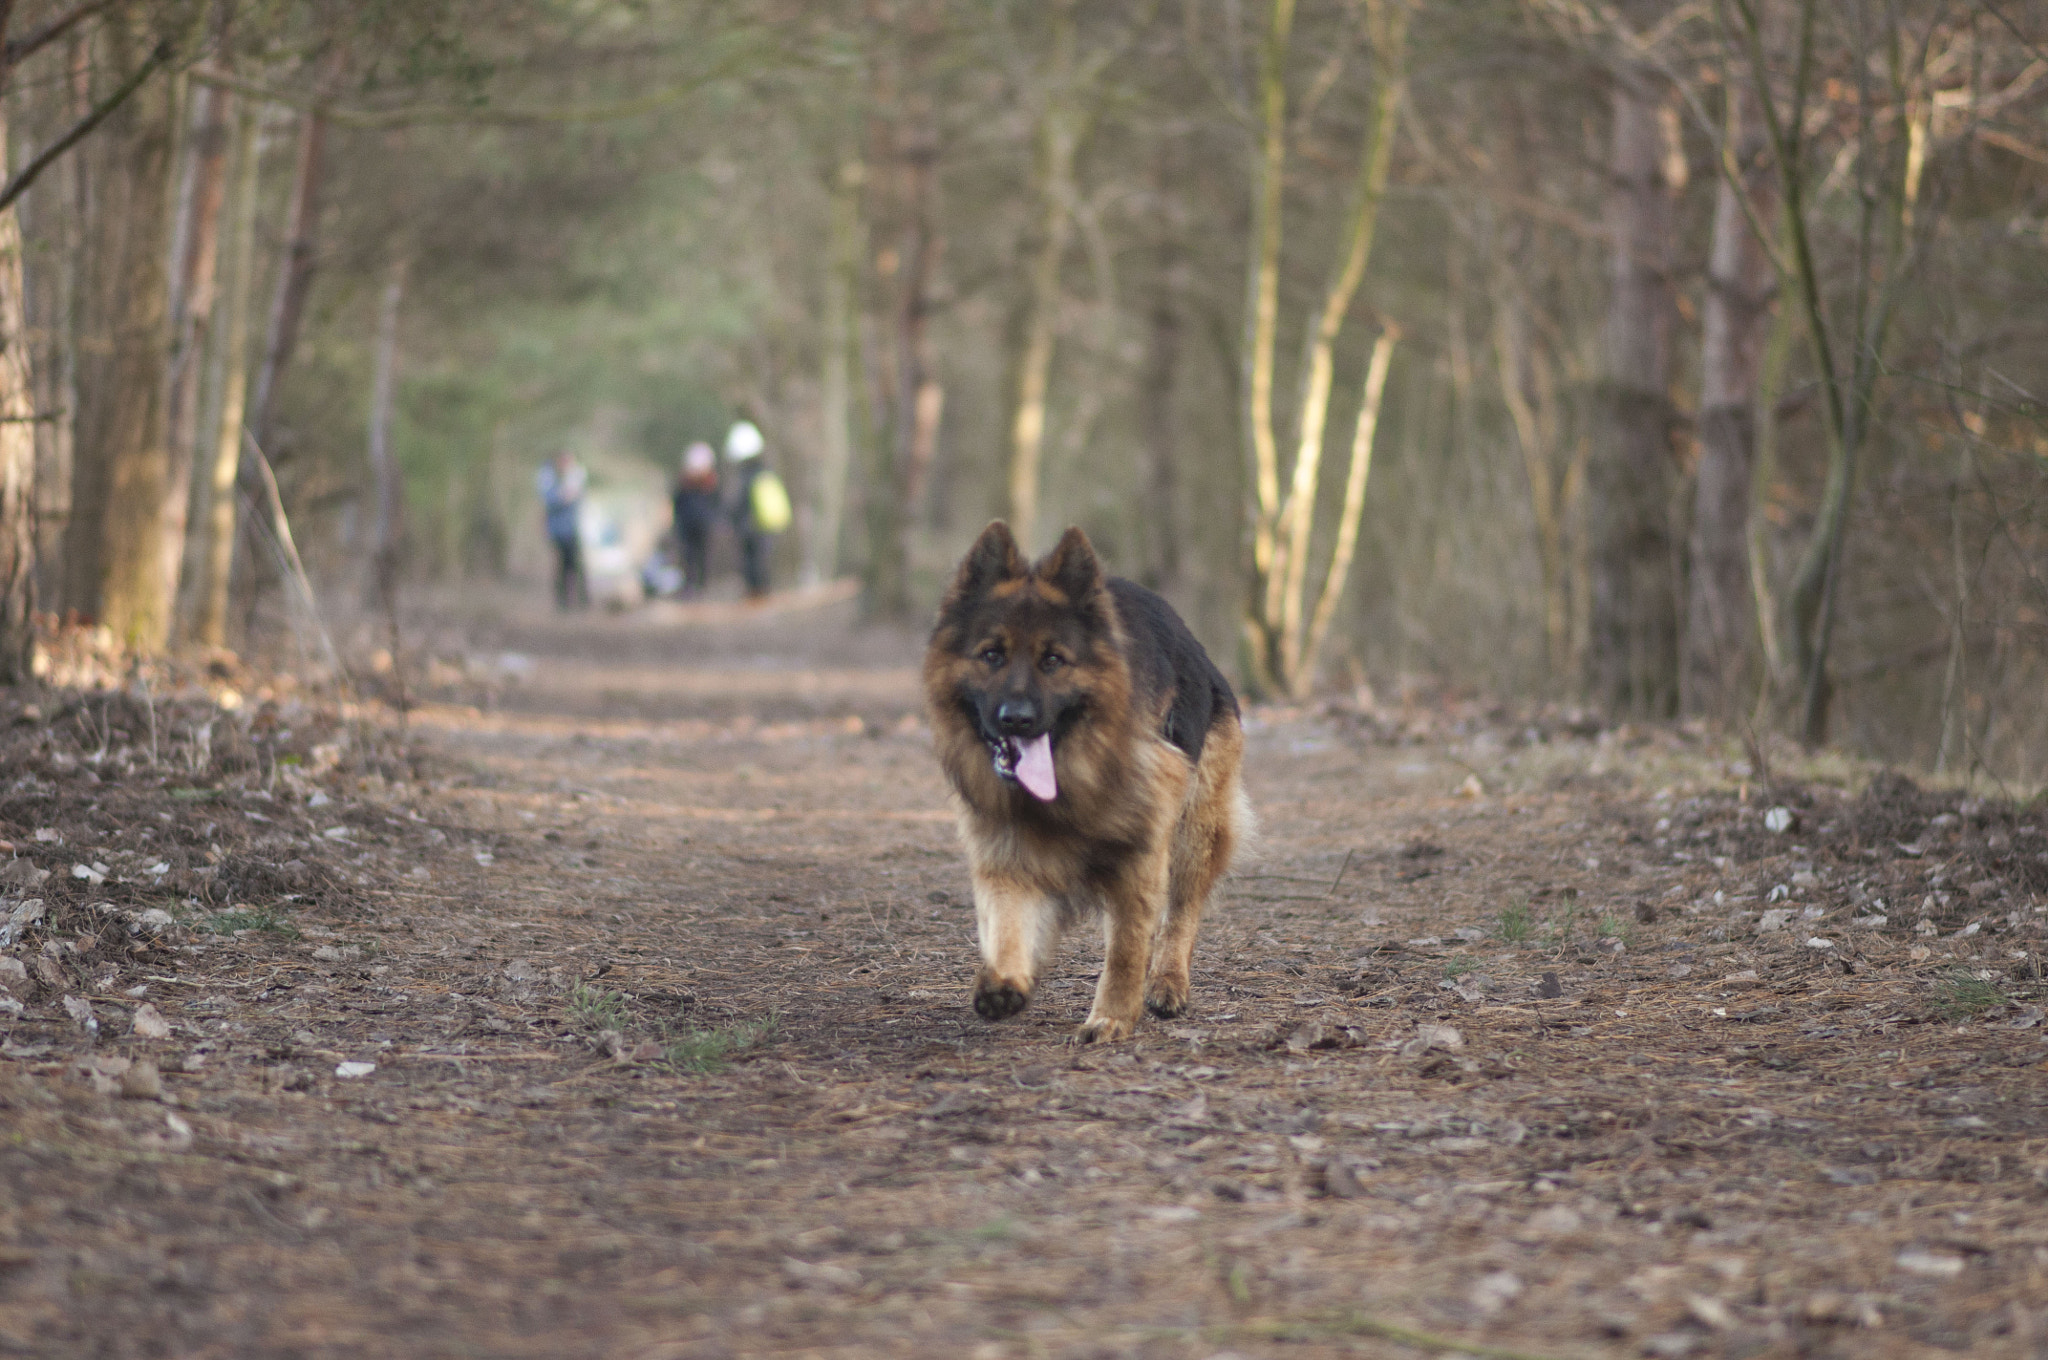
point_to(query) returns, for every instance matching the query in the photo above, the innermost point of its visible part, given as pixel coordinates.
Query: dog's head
(1022, 652)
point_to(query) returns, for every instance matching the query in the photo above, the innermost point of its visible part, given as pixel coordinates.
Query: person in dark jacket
(696, 511)
(743, 445)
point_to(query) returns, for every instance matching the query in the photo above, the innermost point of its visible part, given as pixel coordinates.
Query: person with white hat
(743, 447)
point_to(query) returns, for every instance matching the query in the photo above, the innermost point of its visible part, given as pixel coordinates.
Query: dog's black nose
(1015, 717)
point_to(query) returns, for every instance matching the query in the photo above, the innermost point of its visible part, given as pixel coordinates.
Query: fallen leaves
(1429, 1036)
(1932, 1265)
(142, 1081)
(149, 1023)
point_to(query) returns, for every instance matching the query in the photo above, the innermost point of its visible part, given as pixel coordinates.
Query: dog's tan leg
(1020, 932)
(1132, 911)
(1202, 845)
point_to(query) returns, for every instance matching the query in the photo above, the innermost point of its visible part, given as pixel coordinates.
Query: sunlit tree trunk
(1279, 610)
(195, 267)
(1720, 615)
(1298, 514)
(1633, 656)
(1350, 513)
(217, 555)
(1261, 329)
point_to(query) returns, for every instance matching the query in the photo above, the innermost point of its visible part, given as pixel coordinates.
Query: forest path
(1637, 1124)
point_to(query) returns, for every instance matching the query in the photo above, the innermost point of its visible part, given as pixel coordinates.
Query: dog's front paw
(997, 998)
(1167, 997)
(1103, 1029)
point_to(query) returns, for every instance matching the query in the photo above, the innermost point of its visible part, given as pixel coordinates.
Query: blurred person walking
(696, 512)
(758, 504)
(561, 484)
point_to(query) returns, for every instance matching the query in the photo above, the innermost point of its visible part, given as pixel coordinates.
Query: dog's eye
(1052, 662)
(992, 656)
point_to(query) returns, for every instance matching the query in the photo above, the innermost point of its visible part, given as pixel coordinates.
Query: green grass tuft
(1517, 923)
(594, 1008)
(1961, 995)
(706, 1050)
(248, 918)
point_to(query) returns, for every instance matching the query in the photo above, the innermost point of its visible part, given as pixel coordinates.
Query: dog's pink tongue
(1034, 769)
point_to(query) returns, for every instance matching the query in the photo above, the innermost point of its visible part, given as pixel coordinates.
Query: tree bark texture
(217, 555)
(195, 262)
(1058, 139)
(915, 399)
(388, 482)
(60, 213)
(1721, 624)
(1632, 660)
(121, 472)
(1262, 314)
(1160, 494)
(294, 279)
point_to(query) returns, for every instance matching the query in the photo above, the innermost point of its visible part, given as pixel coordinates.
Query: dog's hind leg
(1202, 844)
(1019, 928)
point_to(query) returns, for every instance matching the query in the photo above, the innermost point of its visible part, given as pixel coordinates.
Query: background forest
(1660, 358)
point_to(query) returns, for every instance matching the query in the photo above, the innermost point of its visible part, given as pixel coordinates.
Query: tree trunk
(61, 212)
(17, 455)
(196, 266)
(1287, 583)
(835, 451)
(1720, 616)
(1528, 390)
(1161, 491)
(1303, 664)
(1277, 614)
(1261, 327)
(294, 279)
(387, 526)
(1058, 139)
(122, 467)
(217, 555)
(917, 401)
(1633, 657)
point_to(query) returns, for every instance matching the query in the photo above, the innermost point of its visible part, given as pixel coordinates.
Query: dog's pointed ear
(993, 559)
(1072, 567)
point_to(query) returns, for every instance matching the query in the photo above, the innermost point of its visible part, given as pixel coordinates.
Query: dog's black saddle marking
(1166, 660)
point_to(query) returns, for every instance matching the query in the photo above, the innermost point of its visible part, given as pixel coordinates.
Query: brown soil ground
(655, 929)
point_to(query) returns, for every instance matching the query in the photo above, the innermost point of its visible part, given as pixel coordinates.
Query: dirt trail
(1516, 1070)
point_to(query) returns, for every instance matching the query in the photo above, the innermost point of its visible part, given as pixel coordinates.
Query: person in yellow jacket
(751, 511)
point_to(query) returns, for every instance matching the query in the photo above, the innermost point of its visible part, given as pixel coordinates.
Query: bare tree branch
(18, 185)
(18, 48)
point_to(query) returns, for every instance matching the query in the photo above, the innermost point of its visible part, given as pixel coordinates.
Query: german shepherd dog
(1094, 750)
